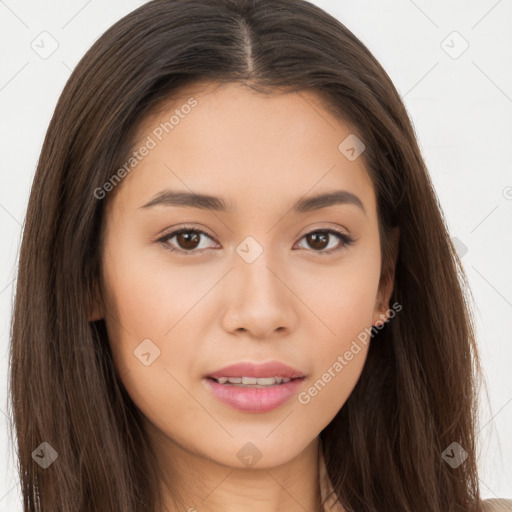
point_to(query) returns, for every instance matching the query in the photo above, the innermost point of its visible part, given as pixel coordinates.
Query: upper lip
(248, 369)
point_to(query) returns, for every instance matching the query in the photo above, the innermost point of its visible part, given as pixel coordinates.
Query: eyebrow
(206, 202)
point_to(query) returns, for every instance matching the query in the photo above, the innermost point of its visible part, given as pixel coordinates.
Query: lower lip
(254, 400)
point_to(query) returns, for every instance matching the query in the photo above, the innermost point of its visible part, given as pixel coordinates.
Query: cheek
(343, 295)
(340, 353)
(143, 303)
(147, 294)
(149, 304)
(328, 390)
(343, 300)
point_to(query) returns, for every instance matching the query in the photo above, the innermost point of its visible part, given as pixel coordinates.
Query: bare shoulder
(497, 505)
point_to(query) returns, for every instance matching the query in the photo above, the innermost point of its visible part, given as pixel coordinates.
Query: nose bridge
(259, 301)
(255, 267)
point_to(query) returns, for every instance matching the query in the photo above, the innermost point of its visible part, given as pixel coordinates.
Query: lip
(253, 400)
(249, 369)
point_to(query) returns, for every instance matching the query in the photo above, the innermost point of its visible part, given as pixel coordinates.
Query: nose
(259, 300)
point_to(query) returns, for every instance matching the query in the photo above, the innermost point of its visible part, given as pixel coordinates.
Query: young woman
(236, 289)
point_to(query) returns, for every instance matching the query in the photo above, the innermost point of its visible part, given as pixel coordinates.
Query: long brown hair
(417, 392)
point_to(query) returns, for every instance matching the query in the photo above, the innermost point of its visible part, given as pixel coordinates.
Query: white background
(461, 109)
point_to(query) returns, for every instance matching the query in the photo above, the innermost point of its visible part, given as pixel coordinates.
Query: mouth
(253, 395)
(254, 387)
(254, 382)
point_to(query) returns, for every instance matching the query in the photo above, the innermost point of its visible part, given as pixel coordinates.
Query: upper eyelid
(174, 231)
(184, 229)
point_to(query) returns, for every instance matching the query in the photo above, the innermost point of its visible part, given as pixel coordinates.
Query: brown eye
(187, 240)
(320, 238)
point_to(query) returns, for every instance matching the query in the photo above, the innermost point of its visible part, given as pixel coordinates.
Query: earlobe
(380, 315)
(387, 282)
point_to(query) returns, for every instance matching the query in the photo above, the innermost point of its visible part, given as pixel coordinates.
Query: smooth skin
(208, 307)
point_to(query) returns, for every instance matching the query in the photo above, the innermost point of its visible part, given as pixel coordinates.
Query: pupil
(313, 240)
(188, 240)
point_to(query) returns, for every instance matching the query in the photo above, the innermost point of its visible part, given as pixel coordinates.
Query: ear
(96, 307)
(387, 280)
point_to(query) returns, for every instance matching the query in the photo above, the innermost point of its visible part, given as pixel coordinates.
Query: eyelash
(346, 239)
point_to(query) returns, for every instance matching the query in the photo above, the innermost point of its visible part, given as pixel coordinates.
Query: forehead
(256, 150)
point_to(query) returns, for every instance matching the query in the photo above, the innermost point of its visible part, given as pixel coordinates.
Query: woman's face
(265, 282)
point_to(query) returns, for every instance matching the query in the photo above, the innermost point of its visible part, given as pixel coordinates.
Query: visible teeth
(264, 381)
